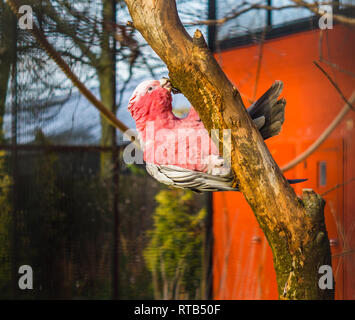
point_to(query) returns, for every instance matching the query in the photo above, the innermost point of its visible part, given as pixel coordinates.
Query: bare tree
(85, 37)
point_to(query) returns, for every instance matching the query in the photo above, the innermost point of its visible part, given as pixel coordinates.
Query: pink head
(150, 99)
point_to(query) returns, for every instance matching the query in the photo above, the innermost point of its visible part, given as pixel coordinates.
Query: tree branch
(237, 12)
(65, 28)
(295, 229)
(325, 134)
(315, 9)
(56, 57)
(334, 85)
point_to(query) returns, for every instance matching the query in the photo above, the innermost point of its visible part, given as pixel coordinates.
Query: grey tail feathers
(290, 181)
(293, 181)
(267, 112)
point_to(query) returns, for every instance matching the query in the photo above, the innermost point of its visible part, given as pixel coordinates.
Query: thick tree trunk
(107, 130)
(106, 75)
(7, 36)
(294, 228)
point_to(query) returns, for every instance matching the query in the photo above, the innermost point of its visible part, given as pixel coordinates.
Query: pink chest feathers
(177, 144)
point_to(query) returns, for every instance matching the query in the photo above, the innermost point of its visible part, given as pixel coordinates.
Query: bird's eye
(150, 89)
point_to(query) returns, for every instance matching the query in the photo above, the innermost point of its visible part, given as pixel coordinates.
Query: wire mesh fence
(59, 217)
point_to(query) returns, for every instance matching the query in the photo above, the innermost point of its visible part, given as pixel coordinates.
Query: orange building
(242, 261)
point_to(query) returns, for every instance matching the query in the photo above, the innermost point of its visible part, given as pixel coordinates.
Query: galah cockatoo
(179, 151)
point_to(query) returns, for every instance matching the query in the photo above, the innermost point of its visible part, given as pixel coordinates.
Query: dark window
(322, 173)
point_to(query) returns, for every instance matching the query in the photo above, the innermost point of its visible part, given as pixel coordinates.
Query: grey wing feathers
(271, 109)
(195, 180)
(189, 179)
(259, 122)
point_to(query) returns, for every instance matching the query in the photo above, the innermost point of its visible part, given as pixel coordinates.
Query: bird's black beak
(165, 83)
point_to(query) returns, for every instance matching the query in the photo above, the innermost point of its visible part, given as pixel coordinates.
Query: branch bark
(294, 228)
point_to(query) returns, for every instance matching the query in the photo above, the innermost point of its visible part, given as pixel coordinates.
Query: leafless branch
(239, 10)
(339, 185)
(322, 137)
(334, 85)
(314, 7)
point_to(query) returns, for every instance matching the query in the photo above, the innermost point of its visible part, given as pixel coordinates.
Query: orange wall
(242, 260)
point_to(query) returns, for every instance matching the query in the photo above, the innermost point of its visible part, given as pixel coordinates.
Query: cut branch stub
(299, 279)
(199, 40)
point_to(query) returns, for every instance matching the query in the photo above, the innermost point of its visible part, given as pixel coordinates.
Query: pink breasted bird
(179, 151)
